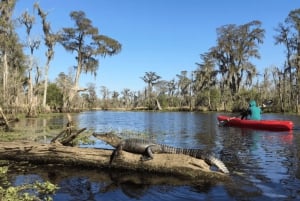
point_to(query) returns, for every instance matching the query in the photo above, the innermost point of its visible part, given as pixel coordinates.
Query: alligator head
(109, 138)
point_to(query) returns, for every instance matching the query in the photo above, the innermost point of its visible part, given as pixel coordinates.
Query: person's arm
(245, 113)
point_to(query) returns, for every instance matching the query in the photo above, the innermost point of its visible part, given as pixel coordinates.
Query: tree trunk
(5, 75)
(55, 153)
(46, 85)
(31, 105)
(158, 104)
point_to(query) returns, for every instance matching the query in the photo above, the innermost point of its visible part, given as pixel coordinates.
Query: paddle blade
(267, 103)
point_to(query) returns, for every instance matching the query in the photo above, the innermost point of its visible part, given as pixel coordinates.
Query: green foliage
(215, 97)
(84, 138)
(54, 96)
(84, 39)
(45, 188)
(3, 178)
(90, 98)
(236, 46)
(26, 192)
(163, 100)
(43, 191)
(84, 36)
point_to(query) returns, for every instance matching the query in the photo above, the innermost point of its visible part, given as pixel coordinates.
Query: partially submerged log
(54, 153)
(67, 136)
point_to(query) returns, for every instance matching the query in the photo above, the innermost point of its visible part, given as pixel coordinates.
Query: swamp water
(265, 165)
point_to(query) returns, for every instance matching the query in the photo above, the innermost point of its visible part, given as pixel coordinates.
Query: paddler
(253, 112)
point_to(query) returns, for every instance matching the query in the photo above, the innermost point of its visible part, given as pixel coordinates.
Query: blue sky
(163, 36)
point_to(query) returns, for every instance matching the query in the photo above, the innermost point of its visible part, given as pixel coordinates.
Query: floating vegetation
(25, 192)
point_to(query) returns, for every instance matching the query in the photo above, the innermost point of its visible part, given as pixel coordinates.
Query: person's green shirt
(254, 111)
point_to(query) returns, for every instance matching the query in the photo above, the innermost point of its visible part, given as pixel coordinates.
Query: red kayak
(272, 125)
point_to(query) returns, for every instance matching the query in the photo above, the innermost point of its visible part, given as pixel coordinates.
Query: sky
(162, 36)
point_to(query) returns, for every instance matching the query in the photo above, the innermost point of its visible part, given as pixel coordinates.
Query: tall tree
(205, 77)
(104, 91)
(151, 78)
(285, 36)
(64, 83)
(6, 8)
(126, 97)
(11, 55)
(84, 39)
(92, 96)
(54, 97)
(171, 91)
(115, 96)
(171, 87)
(184, 86)
(293, 20)
(50, 40)
(236, 46)
(32, 43)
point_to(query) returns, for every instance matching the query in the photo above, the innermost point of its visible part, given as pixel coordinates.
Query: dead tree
(67, 136)
(5, 121)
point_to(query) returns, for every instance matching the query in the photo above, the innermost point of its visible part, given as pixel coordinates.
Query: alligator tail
(168, 149)
(208, 158)
(212, 160)
(197, 153)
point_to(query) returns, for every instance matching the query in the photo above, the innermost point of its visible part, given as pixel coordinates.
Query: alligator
(148, 147)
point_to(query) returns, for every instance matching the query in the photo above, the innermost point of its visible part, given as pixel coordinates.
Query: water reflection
(83, 184)
(264, 165)
(265, 160)
(183, 129)
(40, 129)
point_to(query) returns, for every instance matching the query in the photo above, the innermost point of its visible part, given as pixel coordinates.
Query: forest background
(224, 79)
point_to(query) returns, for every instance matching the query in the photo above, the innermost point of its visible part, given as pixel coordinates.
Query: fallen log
(55, 153)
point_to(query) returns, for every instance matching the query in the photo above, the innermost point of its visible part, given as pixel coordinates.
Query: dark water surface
(265, 165)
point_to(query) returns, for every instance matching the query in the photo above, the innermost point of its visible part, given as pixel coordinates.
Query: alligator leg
(115, 153)
(148, 155)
